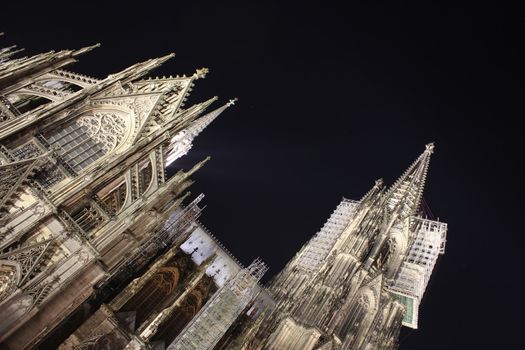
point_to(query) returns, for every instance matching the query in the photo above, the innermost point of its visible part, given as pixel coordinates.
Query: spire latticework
(406, 193)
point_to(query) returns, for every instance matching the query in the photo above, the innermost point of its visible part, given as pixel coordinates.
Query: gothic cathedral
(101, 246)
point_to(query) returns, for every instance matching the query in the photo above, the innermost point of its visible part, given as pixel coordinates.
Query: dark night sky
(331, 98)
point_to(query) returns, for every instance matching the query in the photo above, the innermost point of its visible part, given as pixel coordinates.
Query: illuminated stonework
(87, 206)
(360, 277)
(98, 252)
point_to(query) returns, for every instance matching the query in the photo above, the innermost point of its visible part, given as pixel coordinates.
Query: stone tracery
(105, 128)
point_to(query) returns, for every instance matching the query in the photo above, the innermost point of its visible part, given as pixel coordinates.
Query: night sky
(330, 99)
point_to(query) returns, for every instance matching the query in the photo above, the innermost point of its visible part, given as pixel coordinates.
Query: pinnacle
(209, 101)
(160, 60)
(168, 56)
(85, 49)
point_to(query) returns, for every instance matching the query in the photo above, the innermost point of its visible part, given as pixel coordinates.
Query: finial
(201, 73)
(429, 147)
(378, 183)
(231, 102)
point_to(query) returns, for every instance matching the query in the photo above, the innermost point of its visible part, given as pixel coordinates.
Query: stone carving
(106, 128)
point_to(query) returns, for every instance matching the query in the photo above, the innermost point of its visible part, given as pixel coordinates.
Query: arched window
(188, 308)
(114, 195)
(88, 138)
(153, 294)
(145, 176)
(386, 254)
(76, 147)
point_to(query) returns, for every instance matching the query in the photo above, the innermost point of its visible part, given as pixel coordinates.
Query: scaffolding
(412, 280)
(213, 320)
(171, 233)
(315, 252)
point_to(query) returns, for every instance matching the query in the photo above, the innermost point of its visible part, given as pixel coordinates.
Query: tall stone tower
(84, 192)
(361, 277)
(98, 251)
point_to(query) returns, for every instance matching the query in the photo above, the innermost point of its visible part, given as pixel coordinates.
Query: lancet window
(76, 147)
(145, 176)
(189, 307)
(116, 198)
(154, 293)
(386, 254)
(88, 138)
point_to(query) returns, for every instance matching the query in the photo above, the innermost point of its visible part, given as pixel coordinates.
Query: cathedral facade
(101, 246)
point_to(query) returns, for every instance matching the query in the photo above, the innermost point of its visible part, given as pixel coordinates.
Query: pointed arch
(60, 75)
(66, 84)
(153, 294)
(92, 135)
(398, 245)
(145, 176)
(107, 128)
(115, 194)
(185, 312)
(386, 254)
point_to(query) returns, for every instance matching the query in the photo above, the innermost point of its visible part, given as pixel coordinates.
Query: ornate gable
(151, 102)
(138, 109)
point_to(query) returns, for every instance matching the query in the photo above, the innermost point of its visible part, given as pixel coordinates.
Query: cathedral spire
(85, 49)
(200, 124)
(405, 194)
(140, 69)
(378, 187)
(183, 141)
